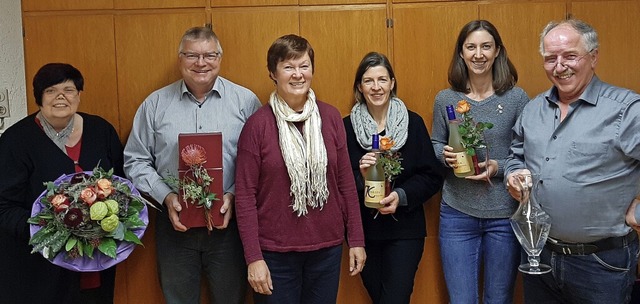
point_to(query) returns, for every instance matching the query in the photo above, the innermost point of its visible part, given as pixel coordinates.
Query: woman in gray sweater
(474, 214)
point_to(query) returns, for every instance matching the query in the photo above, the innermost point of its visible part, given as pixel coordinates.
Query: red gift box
(193, 215)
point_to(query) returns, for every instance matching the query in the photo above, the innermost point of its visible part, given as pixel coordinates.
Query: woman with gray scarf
(395, 232)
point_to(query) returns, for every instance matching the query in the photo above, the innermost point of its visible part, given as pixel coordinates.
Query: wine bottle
(463, 166)
(374, 178)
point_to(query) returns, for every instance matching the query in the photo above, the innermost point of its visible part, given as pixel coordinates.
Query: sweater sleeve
(439, 128)
(426, 178)
(14, 184)
(247, 179)
(346, 184)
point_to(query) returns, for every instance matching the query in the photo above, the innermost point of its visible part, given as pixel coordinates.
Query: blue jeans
(469, 244)
(602, 277)
(391, 269)
(184, 256)
(303, 277)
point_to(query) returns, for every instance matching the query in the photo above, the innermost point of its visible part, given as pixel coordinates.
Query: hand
(228, 200)
(259, 277)
(489, 171)
(513, 185)
(449, 157)
(357, 257)
(390, 203)
(630, 218)
(367, 161)
(174, 208)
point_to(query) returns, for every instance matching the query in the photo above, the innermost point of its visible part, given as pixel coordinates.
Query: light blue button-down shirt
(151, 152)
(589, 163)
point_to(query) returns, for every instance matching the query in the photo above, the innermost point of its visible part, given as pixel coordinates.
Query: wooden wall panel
(55, 5)
(226, 3)
(129, 4)
(340, 38)
(520, 25)
(423, 40)
(617, 25)
(246, 35)
(147, 54)
(328, 2)
(87, 43)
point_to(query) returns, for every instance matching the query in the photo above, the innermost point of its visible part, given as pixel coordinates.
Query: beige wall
(12, 82)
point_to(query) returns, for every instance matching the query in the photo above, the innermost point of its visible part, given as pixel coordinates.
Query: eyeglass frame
(207, 57)
(68, 92)
(565, 62)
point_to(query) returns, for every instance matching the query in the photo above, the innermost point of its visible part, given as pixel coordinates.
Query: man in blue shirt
(202, 101)
(582, 138)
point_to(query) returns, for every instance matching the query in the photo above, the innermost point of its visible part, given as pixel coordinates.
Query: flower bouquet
(199, 179)
(88, 221)
(471, 132)
(391, 161)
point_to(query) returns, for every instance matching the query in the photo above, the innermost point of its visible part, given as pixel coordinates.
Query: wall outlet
(4, 103)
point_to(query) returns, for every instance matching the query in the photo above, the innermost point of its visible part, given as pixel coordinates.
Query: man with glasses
(202, 101)
(582, 137)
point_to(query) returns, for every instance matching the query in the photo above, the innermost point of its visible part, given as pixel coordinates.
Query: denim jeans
(184, 256)
(602, 277)
(303, 277)
(469, 244)
(391, 269)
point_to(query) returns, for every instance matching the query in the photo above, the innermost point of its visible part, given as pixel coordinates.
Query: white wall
(12, 77)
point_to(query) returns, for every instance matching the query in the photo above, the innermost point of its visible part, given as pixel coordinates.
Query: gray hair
(586, 31)
(199, 33)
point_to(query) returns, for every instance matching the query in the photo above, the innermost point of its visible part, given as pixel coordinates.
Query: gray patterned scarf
(396, 128)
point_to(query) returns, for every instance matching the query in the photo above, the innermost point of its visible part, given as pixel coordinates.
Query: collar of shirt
(218, 88)
(590, 94)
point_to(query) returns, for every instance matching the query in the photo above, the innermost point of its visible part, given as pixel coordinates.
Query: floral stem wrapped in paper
(88, 221)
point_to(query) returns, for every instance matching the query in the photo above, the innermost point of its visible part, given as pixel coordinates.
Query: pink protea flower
(193, 155)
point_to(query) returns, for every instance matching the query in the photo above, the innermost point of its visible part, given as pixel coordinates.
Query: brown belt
(565, 248)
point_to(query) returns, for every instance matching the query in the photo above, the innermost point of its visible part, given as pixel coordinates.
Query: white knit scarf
(396, 127)
(304, 154)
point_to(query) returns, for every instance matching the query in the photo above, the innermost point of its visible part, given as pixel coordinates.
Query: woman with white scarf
(295, 195)
(395, 232)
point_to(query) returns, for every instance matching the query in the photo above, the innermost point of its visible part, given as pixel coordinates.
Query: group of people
(294, 178)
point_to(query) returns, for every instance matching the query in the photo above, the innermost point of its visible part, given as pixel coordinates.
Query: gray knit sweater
(478, 198)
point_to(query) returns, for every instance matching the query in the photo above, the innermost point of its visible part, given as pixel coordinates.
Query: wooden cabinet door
(520, 25)
(246, 35)
(87, 43)
(340, 37)
(617, 25)
(132, 4)
(228, 3)
(58, 5)
(147, 56)
(423, 40)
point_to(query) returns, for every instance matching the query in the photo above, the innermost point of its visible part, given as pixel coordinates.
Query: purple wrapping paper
(99, 261)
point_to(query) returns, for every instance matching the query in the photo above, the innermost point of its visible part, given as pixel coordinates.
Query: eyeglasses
(208, 57)
(68, 92)
(570, 60)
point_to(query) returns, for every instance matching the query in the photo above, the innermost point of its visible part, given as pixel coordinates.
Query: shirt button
(555, 137)
(200, 128)
(547, 159)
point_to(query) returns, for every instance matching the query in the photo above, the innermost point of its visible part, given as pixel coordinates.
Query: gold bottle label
(373, 193)
(462, 163)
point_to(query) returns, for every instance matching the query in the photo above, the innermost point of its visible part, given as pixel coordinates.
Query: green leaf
(88, 249)
(71, 242)
(118, 234)
(131, 237)
(80, 246)
(134, 221)
(108, 247)
(136, 204)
